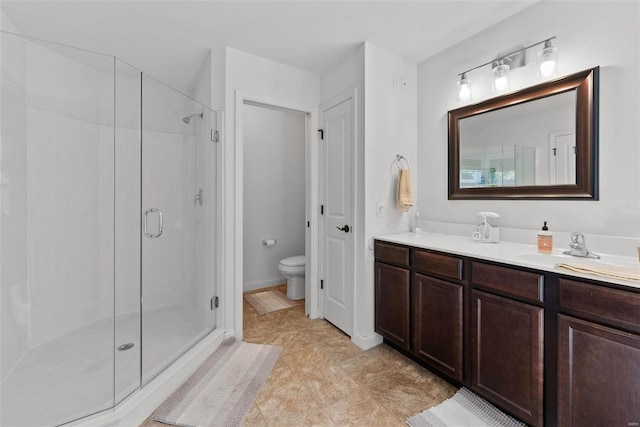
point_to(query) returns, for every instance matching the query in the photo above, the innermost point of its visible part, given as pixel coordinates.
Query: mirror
(536, 143)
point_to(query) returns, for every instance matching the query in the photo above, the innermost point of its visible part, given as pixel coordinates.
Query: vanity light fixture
(547, 61)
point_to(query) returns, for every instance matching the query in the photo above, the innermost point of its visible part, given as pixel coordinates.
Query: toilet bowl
(293, 269)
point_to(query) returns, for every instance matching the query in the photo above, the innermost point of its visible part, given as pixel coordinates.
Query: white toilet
(293, 269)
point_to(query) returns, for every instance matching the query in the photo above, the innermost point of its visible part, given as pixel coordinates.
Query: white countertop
(516, 254)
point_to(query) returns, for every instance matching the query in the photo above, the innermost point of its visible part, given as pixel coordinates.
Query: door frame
(326, 105)
(311, 197)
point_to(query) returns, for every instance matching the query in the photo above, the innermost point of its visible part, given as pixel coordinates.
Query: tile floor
(323, 379)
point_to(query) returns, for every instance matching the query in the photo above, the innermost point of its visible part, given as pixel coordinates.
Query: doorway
(246, 105)
(273, 192)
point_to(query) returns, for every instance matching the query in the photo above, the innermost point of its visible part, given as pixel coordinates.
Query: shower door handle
(146, 220)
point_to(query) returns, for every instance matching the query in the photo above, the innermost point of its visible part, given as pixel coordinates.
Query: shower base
(73, 376)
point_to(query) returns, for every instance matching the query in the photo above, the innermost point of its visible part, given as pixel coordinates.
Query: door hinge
(321, 209)
(215, 135)
(321, 134)
(321, 284)
(215, 302)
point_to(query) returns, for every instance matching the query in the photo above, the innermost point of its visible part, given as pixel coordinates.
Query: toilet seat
(294, 261)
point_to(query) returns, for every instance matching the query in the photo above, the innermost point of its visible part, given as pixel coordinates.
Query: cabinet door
(392, 303)
(598, 375)
(438, 324)
(507, 354)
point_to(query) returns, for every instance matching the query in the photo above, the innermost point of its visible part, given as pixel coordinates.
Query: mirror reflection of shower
(187, 119)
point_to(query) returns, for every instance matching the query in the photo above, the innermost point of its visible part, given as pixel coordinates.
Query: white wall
(386, 124)
(249, 74)
(390, 129)
(273, 192)
(603, 33)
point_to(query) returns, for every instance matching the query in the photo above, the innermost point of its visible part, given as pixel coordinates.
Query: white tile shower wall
(70, 113)
(584, 42)
(205, 261)
(14, 293)
(168, 262)
(274, 192)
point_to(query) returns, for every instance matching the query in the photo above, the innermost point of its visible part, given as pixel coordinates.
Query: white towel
(405, 195)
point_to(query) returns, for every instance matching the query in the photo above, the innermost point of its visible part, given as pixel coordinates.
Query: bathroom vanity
(549, 346)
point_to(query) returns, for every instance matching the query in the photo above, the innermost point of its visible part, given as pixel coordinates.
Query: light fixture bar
(506, 56)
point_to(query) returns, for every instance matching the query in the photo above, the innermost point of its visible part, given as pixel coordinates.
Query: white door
(562, 158)
(337, 258)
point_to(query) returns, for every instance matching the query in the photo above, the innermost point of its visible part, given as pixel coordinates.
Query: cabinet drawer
(614, 306)
(393, 254)
(446, 266)
(509, 281)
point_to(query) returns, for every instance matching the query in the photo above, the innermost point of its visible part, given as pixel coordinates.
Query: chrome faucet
(577, 247)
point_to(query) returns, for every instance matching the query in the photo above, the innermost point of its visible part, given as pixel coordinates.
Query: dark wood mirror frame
(585, 83)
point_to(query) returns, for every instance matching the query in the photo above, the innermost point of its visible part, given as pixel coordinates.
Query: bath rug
(224, 387)
(269, 301)
(464, 408)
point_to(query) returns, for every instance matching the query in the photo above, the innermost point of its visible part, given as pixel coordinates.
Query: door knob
(345, 228)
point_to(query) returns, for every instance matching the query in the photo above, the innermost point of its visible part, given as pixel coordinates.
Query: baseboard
(366, 342)
(260, 284)
(137, 407)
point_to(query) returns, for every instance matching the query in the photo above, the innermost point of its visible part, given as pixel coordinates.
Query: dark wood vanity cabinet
(437, 295)
(507, 346)
(547, 348)
(598, 355)
(437, 322)
(598, 375)
(392, 294)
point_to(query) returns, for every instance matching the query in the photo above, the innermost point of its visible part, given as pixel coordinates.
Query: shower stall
(107, 230)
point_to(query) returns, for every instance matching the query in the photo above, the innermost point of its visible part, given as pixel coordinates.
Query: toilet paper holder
(269, 242)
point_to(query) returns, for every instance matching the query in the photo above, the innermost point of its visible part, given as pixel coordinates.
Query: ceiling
(170, 40)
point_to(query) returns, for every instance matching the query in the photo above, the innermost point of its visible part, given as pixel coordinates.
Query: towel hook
(399, 158)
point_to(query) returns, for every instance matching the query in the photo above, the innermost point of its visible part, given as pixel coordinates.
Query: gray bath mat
(223, 389)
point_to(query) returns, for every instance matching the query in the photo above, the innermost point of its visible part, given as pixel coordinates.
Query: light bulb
(547, 60)
(464, 89)
(501, 83)
(547, 67)
(500, 77)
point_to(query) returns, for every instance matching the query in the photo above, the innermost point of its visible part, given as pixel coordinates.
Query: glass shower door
(177, 282)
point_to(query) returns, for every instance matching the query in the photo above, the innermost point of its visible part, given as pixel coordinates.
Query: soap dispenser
(545, 240)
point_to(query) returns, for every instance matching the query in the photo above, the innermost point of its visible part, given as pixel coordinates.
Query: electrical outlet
(380, 210)
(397, 80)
